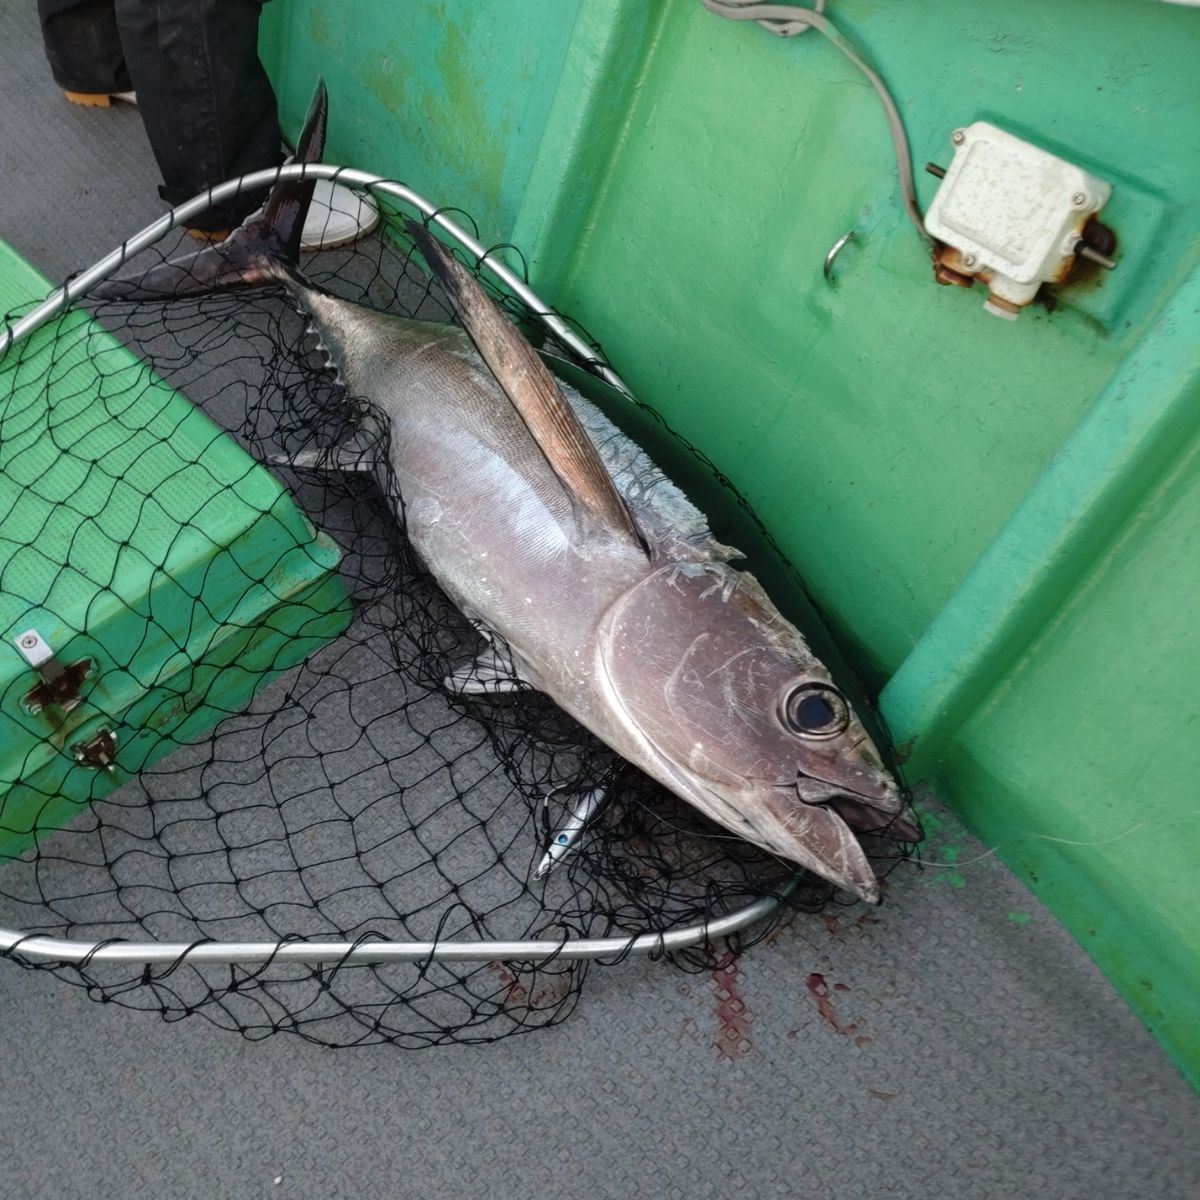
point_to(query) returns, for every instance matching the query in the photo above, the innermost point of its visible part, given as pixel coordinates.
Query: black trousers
(205, 99)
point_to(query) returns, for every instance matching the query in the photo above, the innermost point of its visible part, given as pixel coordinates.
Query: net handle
(63, 297)
(63, 950)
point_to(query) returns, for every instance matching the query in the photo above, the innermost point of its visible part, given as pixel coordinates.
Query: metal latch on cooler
(60, 683)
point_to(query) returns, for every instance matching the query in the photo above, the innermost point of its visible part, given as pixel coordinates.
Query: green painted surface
(744, 158)
(136, 534)
(1128, 438)
(1082, 765)
(999, 518)
(451, 97)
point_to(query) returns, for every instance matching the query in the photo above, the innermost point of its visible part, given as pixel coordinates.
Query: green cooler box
(152, 575)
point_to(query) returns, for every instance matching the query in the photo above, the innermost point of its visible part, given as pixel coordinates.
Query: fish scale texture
(955, 1043)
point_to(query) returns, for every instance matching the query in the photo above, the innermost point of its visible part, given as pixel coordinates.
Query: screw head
(969, 260)
(958, 137)
(29, 641)
(1079, 199)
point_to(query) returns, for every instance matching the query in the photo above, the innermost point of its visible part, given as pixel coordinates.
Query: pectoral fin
(532, 389)
(354, 454)
(491, 673)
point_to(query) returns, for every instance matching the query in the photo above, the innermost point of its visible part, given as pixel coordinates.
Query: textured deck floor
(989, 1058)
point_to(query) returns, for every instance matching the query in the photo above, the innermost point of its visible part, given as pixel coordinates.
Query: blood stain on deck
(517, 998)
(733, 1017)
(821, 990)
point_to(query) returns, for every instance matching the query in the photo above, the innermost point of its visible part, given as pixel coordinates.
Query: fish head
(740, 717)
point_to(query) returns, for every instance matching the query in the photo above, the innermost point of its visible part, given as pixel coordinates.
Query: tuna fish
(592, 578)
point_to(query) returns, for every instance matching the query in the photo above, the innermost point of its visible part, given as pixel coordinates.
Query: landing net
(351, 797)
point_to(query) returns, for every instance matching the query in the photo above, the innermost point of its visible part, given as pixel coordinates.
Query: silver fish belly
(586, 615)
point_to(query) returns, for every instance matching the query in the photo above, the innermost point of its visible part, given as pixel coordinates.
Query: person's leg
(84, 48)
(208, 106)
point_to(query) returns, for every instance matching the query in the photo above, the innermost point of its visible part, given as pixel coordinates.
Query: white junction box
(1011, 215)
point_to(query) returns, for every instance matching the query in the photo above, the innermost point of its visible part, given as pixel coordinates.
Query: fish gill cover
(349, 796)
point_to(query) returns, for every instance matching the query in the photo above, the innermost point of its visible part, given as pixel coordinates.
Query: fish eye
(815, 710)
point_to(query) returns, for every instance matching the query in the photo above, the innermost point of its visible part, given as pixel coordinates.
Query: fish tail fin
(264, 249)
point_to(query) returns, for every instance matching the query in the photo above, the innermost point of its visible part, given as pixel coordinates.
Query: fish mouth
(864, 817)
(818, 837)
(881, 808)
(817, 824)
(860, 774)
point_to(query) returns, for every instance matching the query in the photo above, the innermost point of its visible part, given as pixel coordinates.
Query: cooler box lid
(169, 573)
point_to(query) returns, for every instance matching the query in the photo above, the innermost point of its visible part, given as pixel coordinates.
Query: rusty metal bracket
(60, 683)
(99, 752)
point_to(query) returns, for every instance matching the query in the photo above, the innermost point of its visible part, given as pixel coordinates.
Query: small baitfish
(592, 576)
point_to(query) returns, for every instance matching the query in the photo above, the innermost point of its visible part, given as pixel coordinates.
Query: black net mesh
(288, 762)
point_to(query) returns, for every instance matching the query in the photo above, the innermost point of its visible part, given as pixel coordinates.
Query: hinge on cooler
(60, 683)
(99, 752)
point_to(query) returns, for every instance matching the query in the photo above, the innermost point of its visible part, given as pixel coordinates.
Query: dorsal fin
(533, 391)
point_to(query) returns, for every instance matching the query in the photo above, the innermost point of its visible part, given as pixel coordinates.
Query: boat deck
(962, 1045)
